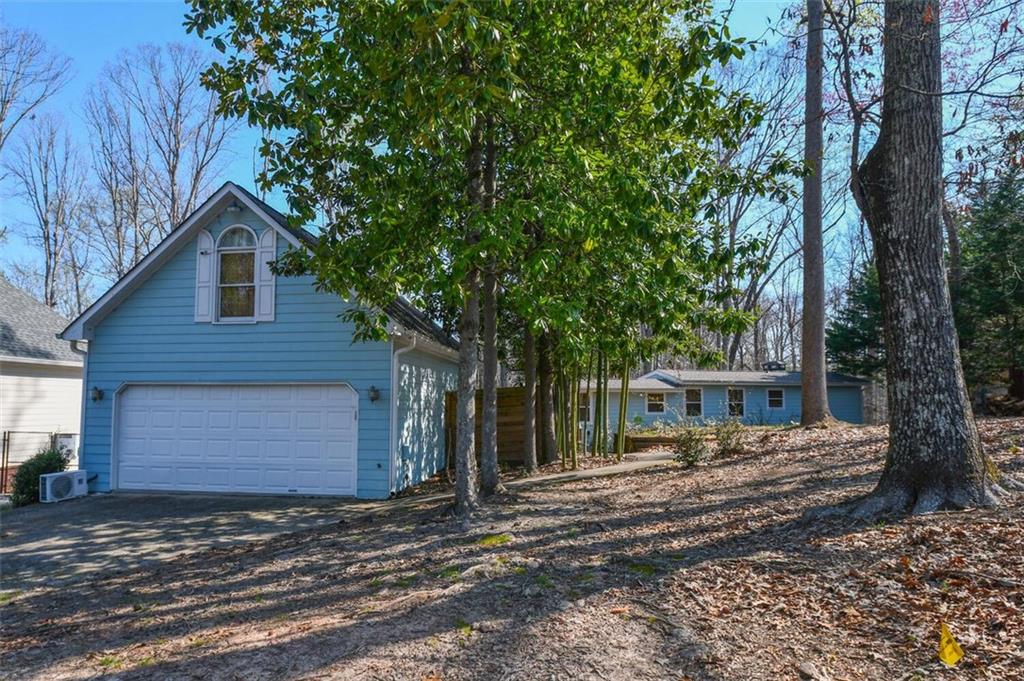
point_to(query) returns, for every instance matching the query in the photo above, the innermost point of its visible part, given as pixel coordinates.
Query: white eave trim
(11, 359)
(81, 328)
(423, 342)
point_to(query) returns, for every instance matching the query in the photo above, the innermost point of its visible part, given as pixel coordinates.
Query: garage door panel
(249, 420)
(279, 420)
(247, 438)
(220, 449)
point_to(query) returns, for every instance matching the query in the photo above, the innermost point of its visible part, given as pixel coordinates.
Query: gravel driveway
(58, 543)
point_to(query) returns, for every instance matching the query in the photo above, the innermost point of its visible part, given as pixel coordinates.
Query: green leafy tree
(558, 153)
(855, 338)
(990, 310)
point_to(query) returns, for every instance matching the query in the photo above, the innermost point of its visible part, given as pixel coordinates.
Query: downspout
(85, 396)
(393, 458)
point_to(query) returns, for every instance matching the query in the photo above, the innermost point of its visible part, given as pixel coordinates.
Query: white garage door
(272, 439)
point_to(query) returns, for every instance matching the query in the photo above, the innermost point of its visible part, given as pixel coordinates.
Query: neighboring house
(40, 376)
(206, 372)
(754, 397)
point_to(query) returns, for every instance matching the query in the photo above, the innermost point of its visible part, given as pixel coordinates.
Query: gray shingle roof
(676, 379)
(689, 376)
(29, 329)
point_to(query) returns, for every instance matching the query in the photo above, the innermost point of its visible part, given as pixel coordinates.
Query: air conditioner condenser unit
(60, 486)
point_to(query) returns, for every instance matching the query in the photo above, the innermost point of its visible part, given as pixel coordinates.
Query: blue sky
(94, 33)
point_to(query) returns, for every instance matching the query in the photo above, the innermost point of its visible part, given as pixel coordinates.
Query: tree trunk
(549, 440)
(465, 420)
(491, 482)
(935, 458)
(620, 434)
(529, 402)
(813, 390)
(955, 258)
(469, 328)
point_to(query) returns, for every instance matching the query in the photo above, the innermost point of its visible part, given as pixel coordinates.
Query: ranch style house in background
(669, 396)
(206, 372)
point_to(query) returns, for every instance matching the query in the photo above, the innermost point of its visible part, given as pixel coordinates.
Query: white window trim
(686, 402)
(768, 399)
(664, 403)
(728, 401)
(217, 250)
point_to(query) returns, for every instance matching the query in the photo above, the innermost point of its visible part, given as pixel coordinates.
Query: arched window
(236, 274)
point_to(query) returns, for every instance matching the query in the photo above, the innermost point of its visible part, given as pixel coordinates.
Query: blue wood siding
(422, 381)
(845, 402)
(151, 337)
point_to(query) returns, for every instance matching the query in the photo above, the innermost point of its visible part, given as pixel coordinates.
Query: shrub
(690, 447)
(729, 437)
(25, 488)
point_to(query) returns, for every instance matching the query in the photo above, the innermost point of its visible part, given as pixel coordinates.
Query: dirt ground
(666, 573)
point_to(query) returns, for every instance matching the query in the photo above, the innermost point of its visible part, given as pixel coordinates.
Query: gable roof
(400, 311)
(28, 329)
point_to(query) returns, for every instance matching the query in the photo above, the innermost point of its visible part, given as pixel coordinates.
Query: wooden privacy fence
(511, 403)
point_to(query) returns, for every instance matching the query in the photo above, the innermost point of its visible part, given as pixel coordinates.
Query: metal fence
(18, 446)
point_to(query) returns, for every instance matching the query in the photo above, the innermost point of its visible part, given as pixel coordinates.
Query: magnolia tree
(552, 160)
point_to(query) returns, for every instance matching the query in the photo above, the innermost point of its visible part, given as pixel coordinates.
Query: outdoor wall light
(234, 208)
(373, 393)
(96, 394)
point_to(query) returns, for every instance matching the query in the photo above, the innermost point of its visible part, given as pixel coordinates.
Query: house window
(735, 397)
(236, 274)
(694, 403)
(655, 403)
(776, 398)
(583, 415)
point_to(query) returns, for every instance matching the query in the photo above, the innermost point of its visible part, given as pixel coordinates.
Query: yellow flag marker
(950, 651)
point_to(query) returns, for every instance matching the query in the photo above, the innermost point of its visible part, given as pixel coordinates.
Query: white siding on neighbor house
(39, 399)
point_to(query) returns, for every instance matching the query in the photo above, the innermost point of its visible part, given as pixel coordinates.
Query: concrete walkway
(54, 544)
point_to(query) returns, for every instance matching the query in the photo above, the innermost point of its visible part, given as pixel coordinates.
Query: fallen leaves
(707, 573)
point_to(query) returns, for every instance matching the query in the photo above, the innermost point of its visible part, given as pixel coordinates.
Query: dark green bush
(690, 447)
(729, 436)
(25, 488)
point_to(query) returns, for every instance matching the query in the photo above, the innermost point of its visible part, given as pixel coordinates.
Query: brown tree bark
(529, 402)
(490, 480)
(813, 386)
(955, 256)
(466, 500)
(546, 379)
(935, 459)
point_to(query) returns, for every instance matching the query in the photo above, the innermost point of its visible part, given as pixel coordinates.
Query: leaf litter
(709, 572)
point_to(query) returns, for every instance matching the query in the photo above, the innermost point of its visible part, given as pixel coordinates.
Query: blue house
(205, 372)
(669, 396)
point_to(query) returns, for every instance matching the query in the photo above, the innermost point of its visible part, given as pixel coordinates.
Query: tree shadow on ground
(373, 587)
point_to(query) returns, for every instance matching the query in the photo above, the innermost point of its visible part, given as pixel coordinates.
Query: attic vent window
(773, 366)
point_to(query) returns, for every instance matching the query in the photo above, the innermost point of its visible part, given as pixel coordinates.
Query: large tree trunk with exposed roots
(935, 459)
